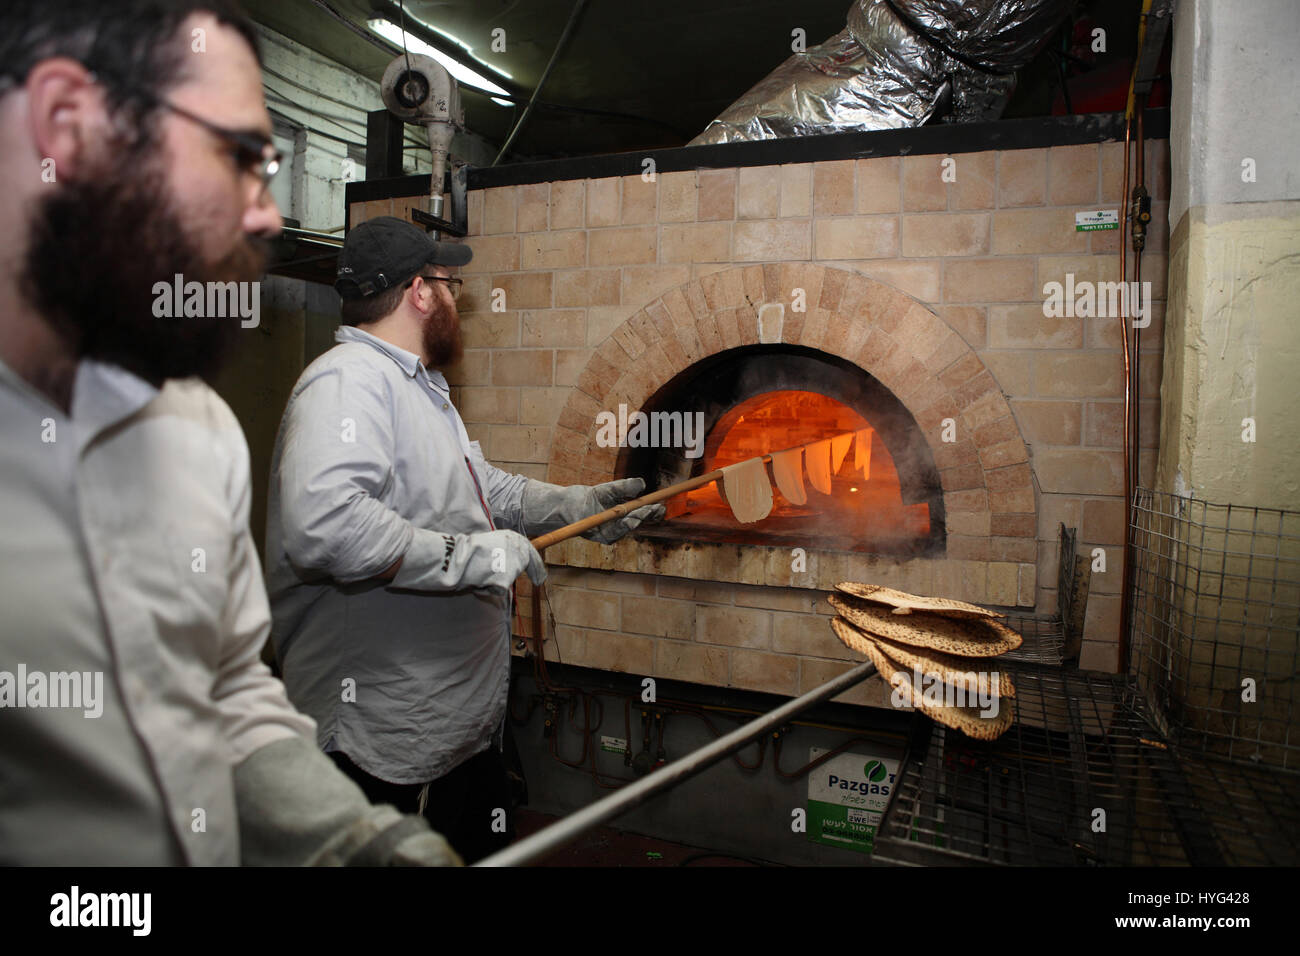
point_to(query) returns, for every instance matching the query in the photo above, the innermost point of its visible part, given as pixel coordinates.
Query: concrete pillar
(1232, 336)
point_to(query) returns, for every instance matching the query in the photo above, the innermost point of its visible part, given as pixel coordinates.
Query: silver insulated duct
(897, 63)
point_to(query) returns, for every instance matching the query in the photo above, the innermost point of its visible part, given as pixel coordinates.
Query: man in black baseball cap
(393, 546)
(382, 253)
(379, 262)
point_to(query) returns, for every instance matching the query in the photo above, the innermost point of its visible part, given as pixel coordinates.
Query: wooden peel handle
(618, 511)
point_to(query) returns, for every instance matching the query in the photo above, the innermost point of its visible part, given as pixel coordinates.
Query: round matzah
(927, 661)
(906, 603)
(958, 671)
(965, 719)
(962, 638)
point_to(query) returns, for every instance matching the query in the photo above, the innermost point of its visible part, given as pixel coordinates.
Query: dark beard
(442, 341)
(96, 249)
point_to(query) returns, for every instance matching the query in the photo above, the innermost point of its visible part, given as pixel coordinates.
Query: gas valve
(1141, 215)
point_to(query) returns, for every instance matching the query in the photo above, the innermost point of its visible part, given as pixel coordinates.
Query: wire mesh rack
(1216, 625)
(1191, 758)
(1044, 639)
(1053, 639)
(1082, 778)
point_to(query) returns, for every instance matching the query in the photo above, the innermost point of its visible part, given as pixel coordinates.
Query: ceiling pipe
(555, 55)
(896, 64)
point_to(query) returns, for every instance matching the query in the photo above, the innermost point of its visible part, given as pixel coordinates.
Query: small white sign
(613, 745)
(1096, 219)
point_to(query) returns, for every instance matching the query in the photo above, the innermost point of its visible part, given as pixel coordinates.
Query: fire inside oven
(884, 492)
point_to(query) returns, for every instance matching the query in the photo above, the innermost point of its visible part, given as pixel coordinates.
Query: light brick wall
(577, 260)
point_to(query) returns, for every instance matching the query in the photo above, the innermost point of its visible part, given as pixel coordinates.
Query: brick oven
(898, 297)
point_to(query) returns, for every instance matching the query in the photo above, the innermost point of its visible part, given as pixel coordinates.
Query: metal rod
(679, 771)
(532, 100)
(373, 39)
(308, 235)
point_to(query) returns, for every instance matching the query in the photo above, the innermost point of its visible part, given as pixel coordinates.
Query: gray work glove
(452, 562)
(550, 507)
(297, 809)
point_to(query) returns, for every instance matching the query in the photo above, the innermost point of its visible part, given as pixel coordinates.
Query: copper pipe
(1141, 178)
(1132, 397)
(1125, 611)
(1130, 405)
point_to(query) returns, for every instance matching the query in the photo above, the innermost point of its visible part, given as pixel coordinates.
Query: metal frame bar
(571, 827)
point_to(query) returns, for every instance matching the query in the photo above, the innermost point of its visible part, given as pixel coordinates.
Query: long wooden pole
(618, 511)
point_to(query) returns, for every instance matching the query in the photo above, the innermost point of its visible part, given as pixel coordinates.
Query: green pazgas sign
(1096, 219)
(846, 797)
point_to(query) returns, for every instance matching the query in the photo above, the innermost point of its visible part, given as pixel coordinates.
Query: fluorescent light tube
(463, 74)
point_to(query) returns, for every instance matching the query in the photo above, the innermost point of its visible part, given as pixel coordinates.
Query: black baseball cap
(386, 251)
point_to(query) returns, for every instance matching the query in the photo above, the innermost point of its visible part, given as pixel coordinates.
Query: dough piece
(862, 454)
(967, 673)
(818, 457)
(904, 603)
(969, 720)
(747, 489)
(787, 469)
(840, 446)
(961, 638)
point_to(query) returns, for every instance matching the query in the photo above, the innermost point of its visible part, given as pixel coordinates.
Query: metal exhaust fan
(417, 89)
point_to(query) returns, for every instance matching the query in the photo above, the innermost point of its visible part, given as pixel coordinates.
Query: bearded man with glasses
(138, 724)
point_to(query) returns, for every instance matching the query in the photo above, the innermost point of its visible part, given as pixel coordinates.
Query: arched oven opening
(885, 498)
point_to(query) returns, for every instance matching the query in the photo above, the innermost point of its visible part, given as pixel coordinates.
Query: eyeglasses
(252, 151)
(453, 283)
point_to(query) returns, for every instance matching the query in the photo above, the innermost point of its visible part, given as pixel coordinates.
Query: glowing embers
(842, 490)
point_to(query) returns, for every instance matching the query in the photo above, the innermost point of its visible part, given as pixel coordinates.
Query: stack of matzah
(936, 653)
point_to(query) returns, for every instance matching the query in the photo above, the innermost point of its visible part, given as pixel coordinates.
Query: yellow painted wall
(1232, 351)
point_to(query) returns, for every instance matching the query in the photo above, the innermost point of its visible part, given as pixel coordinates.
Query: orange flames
(865, 502)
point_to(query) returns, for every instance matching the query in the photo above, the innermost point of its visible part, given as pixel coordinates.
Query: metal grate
(1044, 639)
(1216, 615)
(1081, 744)
(1186, 769)
(1054, 639)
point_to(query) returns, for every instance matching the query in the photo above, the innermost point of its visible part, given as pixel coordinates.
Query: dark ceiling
(633, 75)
